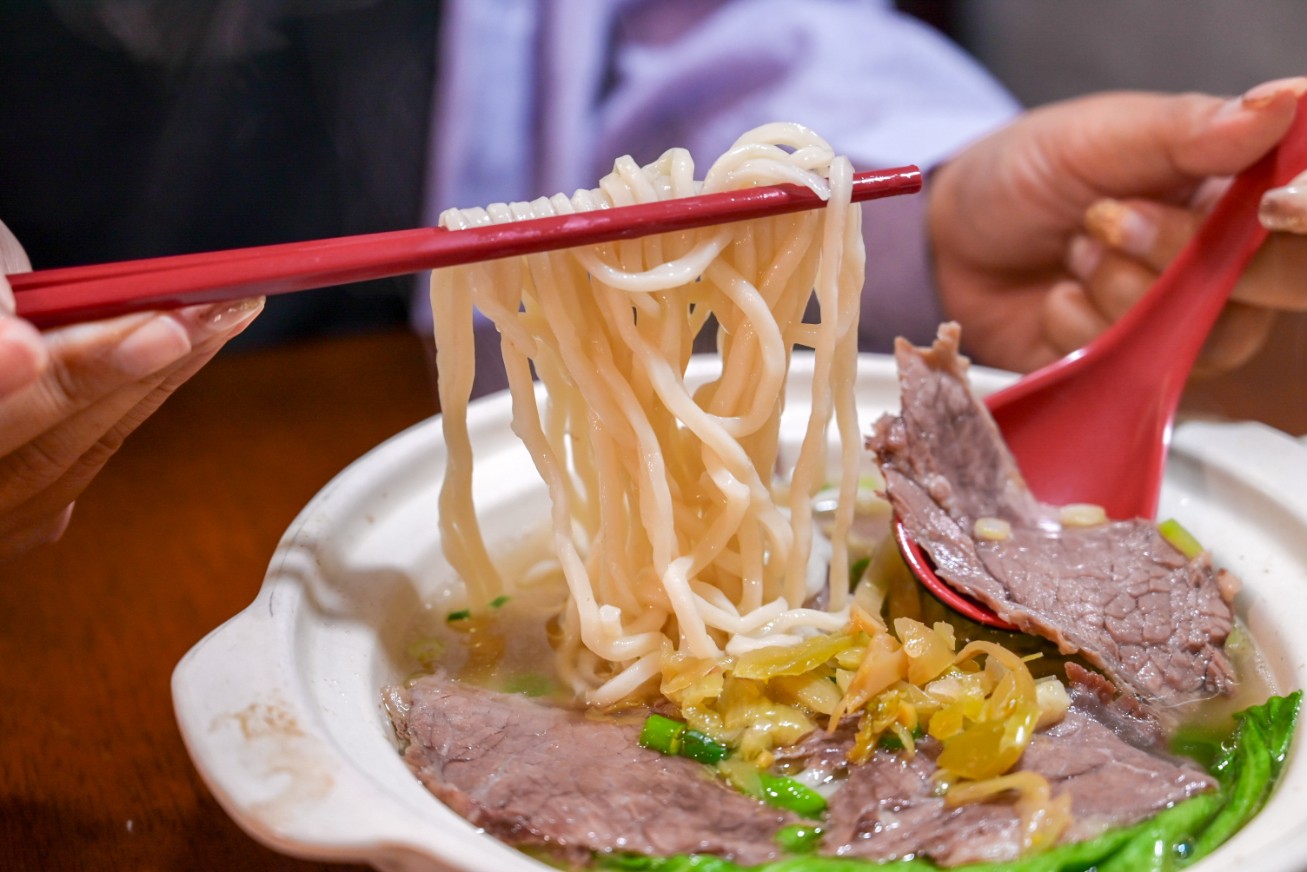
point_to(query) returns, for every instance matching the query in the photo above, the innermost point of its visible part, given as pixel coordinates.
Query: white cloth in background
(534, 97)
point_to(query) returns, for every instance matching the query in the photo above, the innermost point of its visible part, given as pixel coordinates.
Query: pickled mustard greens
(1245, 765)
(902, 681)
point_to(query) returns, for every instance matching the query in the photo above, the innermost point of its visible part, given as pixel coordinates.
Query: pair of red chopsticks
(53, 297)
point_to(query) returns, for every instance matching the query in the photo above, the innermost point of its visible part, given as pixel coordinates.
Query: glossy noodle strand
(667, 524)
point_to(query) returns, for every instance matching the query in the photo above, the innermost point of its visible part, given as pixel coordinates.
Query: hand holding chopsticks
(68, 398)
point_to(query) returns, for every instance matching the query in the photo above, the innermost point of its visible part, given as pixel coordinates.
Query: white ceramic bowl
(280, 706)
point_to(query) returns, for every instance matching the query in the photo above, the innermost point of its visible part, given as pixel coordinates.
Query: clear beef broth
(1255, 685)
(503, 646)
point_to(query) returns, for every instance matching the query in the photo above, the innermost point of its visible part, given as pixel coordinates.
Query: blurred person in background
(137, 128)
(1047, 52)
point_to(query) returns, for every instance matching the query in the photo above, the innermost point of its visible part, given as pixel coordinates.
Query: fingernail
(1083, 257)
(1284, 209)
(1268, 92)
(149, 348)
(220, 318)
(59, 524)
(22, 356)
(1118, 226)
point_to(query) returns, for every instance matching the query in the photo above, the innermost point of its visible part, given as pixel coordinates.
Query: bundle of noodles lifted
(712, 660)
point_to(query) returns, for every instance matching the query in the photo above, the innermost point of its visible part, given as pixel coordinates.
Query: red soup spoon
(1094, 427)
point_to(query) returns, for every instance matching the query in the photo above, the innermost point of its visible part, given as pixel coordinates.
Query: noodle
(664, 517)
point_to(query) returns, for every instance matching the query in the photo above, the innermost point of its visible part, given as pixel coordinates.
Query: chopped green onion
(460, 615)
(1180, 538)
(702, 747)
(799, 838)
(784, 792)
(499, 601)
(674, 738)
(662, 734)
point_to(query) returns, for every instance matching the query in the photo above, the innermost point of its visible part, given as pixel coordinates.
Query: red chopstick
(52, 297)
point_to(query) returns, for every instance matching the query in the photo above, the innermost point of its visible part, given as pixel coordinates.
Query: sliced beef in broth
(1117, 594)
(539, 776)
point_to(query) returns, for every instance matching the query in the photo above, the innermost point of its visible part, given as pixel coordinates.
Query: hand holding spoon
(1094, 426)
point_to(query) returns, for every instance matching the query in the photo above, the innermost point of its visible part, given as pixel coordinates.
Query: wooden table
(173, 539)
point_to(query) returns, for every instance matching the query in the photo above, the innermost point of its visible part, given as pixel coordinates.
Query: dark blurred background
(143, 129)
(1050, 49)
(121, 140)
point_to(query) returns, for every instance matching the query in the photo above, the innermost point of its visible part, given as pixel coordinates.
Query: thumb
(1165, 145)
(12, 260)
(22, 354)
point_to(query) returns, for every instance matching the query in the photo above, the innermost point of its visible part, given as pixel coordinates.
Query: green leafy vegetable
(1252, 760)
